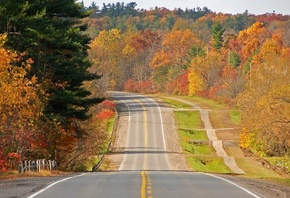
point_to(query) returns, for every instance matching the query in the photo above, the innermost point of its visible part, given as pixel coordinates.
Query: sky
(224, 6)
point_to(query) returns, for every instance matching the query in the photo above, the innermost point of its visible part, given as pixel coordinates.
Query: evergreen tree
(217, 33)
(49, 32)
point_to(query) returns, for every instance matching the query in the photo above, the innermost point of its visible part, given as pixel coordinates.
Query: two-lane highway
(145, 145)
(145, 170)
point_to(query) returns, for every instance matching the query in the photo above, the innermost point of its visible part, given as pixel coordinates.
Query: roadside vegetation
(58, 59)
(201, 156)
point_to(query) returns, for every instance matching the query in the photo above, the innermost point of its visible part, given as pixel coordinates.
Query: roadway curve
(145, 170)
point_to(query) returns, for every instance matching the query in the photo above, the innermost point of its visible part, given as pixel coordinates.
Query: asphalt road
(145, 171)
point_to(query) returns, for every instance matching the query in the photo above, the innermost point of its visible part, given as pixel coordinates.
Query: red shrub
(107, 104)
(105, 114)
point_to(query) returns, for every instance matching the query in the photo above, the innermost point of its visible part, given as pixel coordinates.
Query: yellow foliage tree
(195, 82)
(206, 71)
(271, 47)
(20, 106)
(265, 106)
(106, 53)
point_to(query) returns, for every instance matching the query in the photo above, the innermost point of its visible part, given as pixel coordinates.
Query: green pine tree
(217, 33)
(50, 32)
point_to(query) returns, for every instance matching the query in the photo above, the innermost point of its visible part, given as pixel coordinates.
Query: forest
(58, 59)
(240, 60)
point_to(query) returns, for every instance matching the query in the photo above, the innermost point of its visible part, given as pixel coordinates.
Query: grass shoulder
(200, 155)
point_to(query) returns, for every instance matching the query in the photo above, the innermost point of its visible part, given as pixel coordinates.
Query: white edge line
(49, 186)
(161, 120)
(129, 119)
(242, 188)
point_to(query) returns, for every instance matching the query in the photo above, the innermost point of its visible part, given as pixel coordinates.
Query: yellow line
(143, 185)
(145, 126)
(145, 122)
(146, 186)
(146, 182)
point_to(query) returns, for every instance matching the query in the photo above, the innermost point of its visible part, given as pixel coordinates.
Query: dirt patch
(228, 134)
(220, 119)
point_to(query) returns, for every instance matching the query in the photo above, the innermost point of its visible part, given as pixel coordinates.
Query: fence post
(44, 162)
(37, 166)
(54, 164)
(49, 164)
(20, 168)
(25, 166)
(29, 165)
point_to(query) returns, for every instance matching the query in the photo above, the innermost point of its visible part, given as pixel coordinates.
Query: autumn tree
(106, 55)
(173, 55)
(252, 39)
(205, 73)
(20, 107)
(265, 105)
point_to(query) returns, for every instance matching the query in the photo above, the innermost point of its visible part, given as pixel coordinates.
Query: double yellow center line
(146, 186)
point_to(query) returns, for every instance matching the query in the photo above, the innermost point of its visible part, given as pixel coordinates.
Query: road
(145, 171)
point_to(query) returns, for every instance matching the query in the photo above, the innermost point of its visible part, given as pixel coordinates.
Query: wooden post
(29, 165)
(20, 168)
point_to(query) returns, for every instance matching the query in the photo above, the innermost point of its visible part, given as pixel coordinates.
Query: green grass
(254, 170)
(190, 148)
(188, 119)
(88, 164)
(175, 104)
(207, 164)
(201, 157)
(192, 134)
(204, 103)
(110, 125)
(110, 128)
(235, 116)
(280, 162)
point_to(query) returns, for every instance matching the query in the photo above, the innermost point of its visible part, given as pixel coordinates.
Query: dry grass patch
(44, 173)
(231, 134)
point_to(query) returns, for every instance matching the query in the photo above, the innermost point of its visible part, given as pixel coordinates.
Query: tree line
(241, 60)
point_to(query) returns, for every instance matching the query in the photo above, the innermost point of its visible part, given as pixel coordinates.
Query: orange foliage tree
(170, 60)
(20, 107)
(252, 39)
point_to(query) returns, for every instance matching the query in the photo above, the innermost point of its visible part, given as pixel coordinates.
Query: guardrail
(36, 165)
